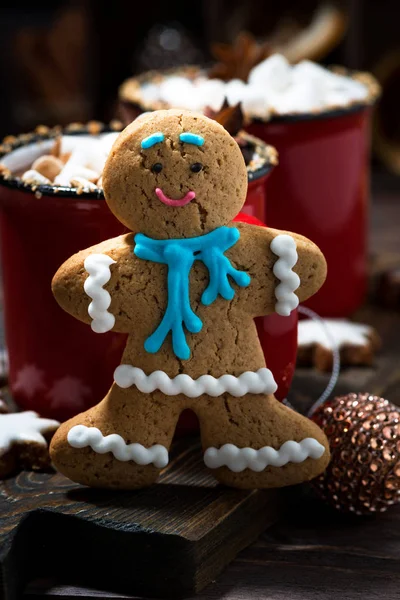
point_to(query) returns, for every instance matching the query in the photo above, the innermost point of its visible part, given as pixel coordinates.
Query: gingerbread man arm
(85, 285)
(285, 268)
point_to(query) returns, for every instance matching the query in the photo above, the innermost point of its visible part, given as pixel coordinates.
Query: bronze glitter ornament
(364, 436)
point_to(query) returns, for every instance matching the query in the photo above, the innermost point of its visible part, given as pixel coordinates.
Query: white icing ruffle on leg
(98, 267)
(259, 382)
(284, 246)
(239, 459)
(81, 436)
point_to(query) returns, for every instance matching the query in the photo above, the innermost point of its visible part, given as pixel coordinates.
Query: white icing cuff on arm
(81, 436)
(239, 459)
(284, 246)
(260, 382)
(98, 267)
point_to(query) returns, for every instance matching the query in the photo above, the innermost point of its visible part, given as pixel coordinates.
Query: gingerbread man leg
(256, 442)
(123, 442)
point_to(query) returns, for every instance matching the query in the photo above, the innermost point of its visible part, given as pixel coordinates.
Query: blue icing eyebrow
(191, 138)
(154, 138)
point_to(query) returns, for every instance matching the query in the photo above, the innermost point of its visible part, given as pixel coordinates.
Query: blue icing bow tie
(179, 255)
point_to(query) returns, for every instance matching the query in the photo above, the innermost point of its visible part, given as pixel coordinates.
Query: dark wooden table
(315, 552)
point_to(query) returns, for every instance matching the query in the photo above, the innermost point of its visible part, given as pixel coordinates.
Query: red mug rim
(268, 159)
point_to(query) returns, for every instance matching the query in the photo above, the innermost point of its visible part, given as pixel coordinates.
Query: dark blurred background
(63, 61)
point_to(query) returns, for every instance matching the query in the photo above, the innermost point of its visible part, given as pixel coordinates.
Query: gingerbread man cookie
(186, 285)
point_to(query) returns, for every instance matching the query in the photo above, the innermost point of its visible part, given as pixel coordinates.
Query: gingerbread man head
(175, 174)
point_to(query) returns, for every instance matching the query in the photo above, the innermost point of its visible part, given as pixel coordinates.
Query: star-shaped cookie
(357, 343)
(24, 442)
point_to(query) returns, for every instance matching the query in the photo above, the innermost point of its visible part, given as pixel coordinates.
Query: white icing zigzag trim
(81, 436)
(98, 267)
(261, 382)
(239, 459)
(284, 246)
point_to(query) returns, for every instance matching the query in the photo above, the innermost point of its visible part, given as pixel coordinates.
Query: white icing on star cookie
(24, 427)
(284, 246)
(239, 459)
(260, 382)
(81, 436)
(98, 267)
(341, 331)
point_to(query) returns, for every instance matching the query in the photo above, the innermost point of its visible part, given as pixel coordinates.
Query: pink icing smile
(188, 197)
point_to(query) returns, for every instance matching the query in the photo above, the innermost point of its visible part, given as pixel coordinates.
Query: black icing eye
(196, 167)
(156, 168)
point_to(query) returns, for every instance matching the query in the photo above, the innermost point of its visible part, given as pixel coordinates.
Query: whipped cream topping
(274, 87)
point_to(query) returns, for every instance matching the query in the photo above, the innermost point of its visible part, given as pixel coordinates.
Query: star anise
(230, 117)
(236, 60)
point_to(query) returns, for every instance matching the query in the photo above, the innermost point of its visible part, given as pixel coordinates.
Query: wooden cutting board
(168, 540)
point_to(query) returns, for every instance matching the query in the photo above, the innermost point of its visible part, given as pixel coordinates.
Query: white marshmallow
(255, 102)
(307, 71)
(86, 162)
(88, 153)
(72, 170)
(274, 72)
(302, 98)
(211, 92)
(179, 92)
(33, 176)
(274, 86)
(108, 140)
(150, 92)
(350, 89)
(235, 91)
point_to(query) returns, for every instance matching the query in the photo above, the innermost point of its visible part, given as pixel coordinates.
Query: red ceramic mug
(58, 365)
(321, 190)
